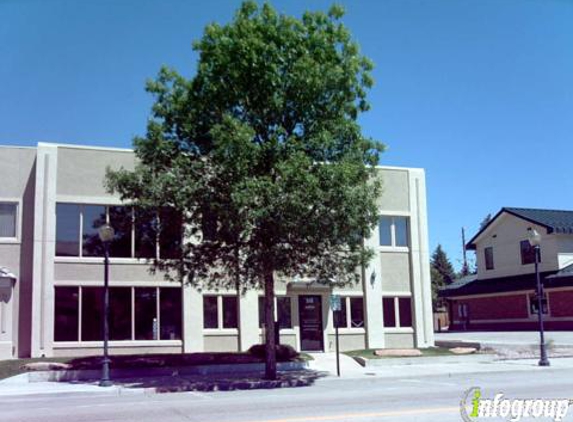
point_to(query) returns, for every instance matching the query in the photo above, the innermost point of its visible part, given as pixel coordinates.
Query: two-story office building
(502, 295)
(52, 200)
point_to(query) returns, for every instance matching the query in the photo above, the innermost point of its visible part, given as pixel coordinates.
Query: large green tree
(442, 272)
(262, 154)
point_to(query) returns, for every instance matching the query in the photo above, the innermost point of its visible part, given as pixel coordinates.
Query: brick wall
(561, 303)
(501, 307)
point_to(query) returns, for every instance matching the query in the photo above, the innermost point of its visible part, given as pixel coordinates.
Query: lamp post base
(105, 383)
(544, 362)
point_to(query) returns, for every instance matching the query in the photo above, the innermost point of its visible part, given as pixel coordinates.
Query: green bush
(284, 351)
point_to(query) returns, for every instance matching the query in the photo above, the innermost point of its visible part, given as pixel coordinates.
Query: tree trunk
(270, 355)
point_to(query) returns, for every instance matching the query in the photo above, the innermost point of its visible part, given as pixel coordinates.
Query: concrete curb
(91, 374)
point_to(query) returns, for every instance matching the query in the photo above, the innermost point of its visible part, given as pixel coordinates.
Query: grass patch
(427, 352)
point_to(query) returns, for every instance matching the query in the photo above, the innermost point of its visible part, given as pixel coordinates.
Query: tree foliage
(262, 154)
(442, 272)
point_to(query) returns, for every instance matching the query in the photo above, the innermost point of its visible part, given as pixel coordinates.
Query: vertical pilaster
(44, 250)
(421, 284)
(248, 320)
(192, 320)
(372, 285)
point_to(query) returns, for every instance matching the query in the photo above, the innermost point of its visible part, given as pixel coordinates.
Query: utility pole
(465, 268)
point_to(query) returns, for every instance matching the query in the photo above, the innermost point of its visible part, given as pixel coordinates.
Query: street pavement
(388, 393)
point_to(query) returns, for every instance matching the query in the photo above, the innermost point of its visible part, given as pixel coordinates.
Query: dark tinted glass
(120, 313)
(92, 313)
(389, 312)
(488, 252)
(170, 313)
(385, 231)
(66, 314)
(527, 252)
(120, 218)
(261, 311)
(8, 219)
(210, 312)
(170, 234)
(93, 218)
(356, 312)
(401, 231)
(67, 230)
(230, 312)
(146, 313)
(283, 311)
(340, 319)
(145, 233)
(405, 310)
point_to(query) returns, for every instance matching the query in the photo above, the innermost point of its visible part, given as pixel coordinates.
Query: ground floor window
(351, 314)
(283, 311)
(136, 313)
(227, 318)
(397, 311)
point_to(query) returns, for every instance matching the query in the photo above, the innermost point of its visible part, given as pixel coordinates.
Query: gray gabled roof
(555, 221)
(563, 272)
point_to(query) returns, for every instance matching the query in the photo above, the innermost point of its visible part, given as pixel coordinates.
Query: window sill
(396, 249)
(99, 260)
(9, 241)
(116, 343)
(347, 330)
(220, 331)
(399, 330)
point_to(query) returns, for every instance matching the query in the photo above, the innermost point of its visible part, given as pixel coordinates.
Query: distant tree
(442, 272)
(262, 154)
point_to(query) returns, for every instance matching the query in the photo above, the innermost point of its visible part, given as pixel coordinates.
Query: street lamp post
(535, 241)
(106, 234)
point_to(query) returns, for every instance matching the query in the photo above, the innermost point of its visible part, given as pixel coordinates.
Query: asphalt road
(429, 398)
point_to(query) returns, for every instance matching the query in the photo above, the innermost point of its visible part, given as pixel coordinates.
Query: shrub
(284, 351)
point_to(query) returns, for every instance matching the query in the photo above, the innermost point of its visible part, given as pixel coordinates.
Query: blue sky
(478, 92)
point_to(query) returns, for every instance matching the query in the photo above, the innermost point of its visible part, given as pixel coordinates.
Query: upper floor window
(393, 231)
(527, 252)
(138, 233)
(8, 219)
(488, 253)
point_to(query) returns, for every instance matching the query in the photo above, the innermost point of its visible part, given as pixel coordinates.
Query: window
(94, 216)
(66, 321)
(210, 312)
(126, 303)
(397, 312)
(146, 313)
(340, 319)
(488, 252)
(283, 311)
(534, 305)
(230, 312)
(389, 311)
(170, 313)
(139, 233)
(527, 253)
(120, 313)
(121, 219)
(8, 219)
(351, 314)
(92, 313)
(67, 230)
(393, 231)
(356, 312)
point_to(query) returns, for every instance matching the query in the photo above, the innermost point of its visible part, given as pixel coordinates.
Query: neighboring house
(52, 199)
(502, 295)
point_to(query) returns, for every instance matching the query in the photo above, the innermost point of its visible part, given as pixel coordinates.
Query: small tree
(442, 272)
(262, 155)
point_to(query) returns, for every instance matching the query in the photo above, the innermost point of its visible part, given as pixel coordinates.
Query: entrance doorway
(310, 318)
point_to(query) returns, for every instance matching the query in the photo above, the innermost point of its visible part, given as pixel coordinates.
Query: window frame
(133, 258)
(127, 342)
(220, 329)
(346, 304)
(393, 232)
(17, 202)
(396, 298)
(488, 263)
(531, 250)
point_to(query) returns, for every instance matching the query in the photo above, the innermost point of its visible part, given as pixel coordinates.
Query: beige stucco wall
(347, 342)
(504, 236)
(395, 271)
(395, 192)
(18, 184)
(400, 340)
(221, 342)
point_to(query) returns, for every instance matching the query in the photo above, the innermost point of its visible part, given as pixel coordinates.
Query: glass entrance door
(310, 317)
